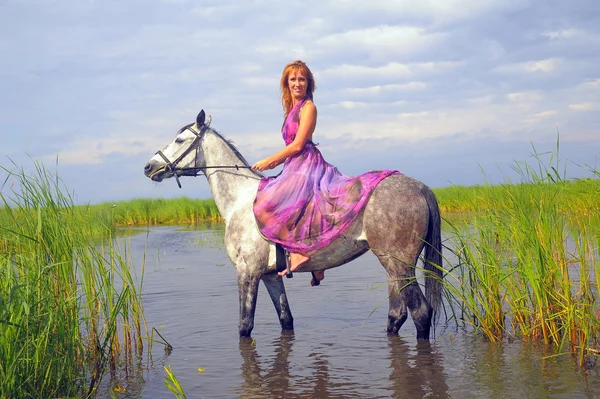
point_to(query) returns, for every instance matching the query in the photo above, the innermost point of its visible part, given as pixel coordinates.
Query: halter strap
(193, 171)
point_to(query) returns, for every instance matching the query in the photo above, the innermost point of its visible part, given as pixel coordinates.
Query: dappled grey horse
(400, 219)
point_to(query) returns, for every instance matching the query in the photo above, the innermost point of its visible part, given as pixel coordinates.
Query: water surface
(339, 348)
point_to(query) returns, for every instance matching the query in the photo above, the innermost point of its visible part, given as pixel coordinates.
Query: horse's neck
(231, 188)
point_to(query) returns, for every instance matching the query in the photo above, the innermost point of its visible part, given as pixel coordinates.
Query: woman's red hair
(286, 95)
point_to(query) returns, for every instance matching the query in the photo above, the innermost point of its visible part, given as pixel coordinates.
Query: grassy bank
(69, 306)
(153, 212)
(528, 260)
(574, 197)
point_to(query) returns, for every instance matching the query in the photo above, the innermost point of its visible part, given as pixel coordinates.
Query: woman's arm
(308, 122)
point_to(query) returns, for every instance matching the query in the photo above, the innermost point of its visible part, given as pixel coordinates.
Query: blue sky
(437, 89)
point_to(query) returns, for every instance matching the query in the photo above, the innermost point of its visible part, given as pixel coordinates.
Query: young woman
(310, 203)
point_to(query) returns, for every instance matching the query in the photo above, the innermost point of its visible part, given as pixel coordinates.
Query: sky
(450, 92)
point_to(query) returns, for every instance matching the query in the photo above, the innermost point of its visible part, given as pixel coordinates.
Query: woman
(310, 203)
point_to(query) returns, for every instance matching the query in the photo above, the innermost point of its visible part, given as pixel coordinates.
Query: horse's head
(180, 157)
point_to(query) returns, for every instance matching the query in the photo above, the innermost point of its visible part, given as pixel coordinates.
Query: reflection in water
(416, 371)
(321, 370)
(416, 374)
(276, 380)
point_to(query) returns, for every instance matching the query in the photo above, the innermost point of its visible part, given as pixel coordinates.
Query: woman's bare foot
(318, 275)
(296, 260)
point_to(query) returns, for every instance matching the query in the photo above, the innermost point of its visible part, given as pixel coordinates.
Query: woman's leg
(317, 277)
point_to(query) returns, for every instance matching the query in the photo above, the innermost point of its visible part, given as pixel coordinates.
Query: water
(339, 348)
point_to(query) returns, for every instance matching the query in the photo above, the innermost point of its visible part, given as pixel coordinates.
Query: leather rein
(171, 166)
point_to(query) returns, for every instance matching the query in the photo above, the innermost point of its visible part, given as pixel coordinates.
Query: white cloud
(220, 10)
(292, 51)
(573, 36)
(522, 97)
(432, 10)
(564, 34)
(390, 70)
(353, 104)
(519, 116)
(254, 82)
(584, 106)
(250, 67)
(591, 84)
(95, 152)
(391, 40)
(487, 99)
(391, 88)
(546, 114)
(544, 66)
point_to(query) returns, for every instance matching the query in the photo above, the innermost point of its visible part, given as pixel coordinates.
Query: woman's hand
(264, 164)
(308, 122)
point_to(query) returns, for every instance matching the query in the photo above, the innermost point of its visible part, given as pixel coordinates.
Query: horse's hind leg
(404, 292)
(276, 290)
(248, 291)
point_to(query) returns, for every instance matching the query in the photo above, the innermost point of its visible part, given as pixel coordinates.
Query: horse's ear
(200, 118)
(208, 120)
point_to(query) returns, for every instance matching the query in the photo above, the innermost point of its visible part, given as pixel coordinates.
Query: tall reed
(69, 305)
(528, 264)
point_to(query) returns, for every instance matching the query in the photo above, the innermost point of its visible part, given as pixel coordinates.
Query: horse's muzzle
(154, 171)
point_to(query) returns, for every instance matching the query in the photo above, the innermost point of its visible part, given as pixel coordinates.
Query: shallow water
(339, 348)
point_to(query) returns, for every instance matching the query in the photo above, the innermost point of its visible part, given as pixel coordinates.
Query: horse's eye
(179, 140)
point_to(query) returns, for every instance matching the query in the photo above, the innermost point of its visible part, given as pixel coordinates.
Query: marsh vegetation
(70, 309)
(527, 262)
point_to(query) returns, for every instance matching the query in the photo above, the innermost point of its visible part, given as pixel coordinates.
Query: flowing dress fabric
(310, 203)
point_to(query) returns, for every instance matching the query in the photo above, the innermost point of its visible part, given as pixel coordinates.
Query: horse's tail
(433, 255)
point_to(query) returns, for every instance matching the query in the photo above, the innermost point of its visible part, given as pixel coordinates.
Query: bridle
(171, 166)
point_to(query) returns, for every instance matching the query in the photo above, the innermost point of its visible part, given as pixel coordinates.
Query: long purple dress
(310, 203)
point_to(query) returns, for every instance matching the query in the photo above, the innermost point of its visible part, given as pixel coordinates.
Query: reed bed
(528, 260)
(152, 212)
(70, 309)
(577, 197)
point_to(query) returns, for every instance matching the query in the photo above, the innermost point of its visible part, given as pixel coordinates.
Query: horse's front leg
(248, 291)
(276, 289)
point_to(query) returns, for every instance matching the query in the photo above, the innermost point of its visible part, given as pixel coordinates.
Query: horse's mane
(229, 144)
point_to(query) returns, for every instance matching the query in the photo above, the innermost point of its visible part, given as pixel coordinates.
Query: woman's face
(297, 84)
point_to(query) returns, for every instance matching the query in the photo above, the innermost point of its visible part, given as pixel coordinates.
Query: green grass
(69, 306)
(173, 384)
(528, 260)
(150, 212)
(577, 197)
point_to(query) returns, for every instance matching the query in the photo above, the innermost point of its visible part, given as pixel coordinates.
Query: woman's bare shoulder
(309, 106)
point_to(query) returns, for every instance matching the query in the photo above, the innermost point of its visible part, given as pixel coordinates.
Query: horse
(400, 219)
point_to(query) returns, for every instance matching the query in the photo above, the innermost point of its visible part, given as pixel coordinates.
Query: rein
(193, 171)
